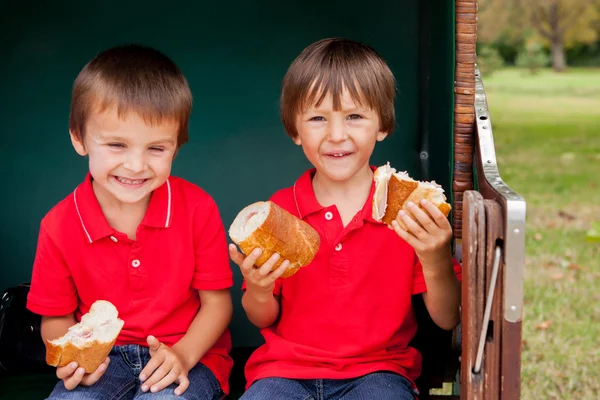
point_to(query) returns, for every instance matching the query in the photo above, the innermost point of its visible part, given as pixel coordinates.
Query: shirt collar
(304, 195)
(94, 223)
(306, 201)
(160, 209)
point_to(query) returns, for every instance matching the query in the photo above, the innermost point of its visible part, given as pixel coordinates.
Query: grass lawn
(547, 134)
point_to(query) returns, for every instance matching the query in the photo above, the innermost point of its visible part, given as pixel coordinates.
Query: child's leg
(117, 383)
(375, 386)
(277, 388)
(203, 386)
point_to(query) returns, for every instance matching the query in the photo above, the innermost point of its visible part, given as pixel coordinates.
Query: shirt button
(328, 215)
(114, 239)
(338, 247)
(135, 263)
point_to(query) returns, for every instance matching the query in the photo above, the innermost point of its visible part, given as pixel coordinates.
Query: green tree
(559, 23)
(562, 23)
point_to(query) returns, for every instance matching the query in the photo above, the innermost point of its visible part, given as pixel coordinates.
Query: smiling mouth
(338, 154)
(130, 182)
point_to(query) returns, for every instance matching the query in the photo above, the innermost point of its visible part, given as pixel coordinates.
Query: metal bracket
(488, 310)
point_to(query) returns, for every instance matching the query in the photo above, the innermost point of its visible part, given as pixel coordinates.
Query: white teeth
(130, 181)
(339, 154)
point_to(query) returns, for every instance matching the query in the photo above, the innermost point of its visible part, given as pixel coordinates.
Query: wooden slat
(472, 291)
(491, 365)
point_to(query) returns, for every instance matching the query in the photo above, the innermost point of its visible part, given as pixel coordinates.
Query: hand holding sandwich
(73, 375)
(259, 280)
(430, 237)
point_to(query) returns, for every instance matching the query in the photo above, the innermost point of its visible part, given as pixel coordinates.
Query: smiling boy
(340, 328)
(150, 243)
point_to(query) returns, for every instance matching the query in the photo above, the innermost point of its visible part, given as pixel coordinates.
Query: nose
(135, 162)
(337, 131)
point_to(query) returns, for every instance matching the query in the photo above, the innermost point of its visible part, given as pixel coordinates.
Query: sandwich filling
(248, 220)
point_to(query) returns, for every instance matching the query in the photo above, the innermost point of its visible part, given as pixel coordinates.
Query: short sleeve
(419, 285)
(212, 269)
(53, 291)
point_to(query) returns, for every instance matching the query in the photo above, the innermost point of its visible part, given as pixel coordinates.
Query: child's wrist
(259, 296)
(440, 269)
(188, 360)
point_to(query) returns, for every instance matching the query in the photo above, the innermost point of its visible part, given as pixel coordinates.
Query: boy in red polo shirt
(340, 328)
(151, 244)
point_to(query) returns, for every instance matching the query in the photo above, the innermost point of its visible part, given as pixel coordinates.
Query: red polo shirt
(153, 282)
(349, 312)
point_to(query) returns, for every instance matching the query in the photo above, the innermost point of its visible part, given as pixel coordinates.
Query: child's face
(338, 143)
(128, 158)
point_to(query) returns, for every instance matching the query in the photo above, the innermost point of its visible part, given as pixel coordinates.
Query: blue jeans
(120, 381)
(375, 386)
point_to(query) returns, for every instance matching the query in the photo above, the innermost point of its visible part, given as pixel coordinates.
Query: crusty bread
(88, 342)
(272, 229)
(394, 189)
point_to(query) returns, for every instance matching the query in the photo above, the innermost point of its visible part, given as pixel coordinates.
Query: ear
(381, 136)
(297, 140)
(77, 144)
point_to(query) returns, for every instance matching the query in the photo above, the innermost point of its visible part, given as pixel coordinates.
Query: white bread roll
(394, 189)
(88, 342)
(272, 229)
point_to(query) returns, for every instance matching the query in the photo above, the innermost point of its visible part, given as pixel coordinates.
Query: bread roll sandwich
(393, 190)
(90, 341)
(272, 229)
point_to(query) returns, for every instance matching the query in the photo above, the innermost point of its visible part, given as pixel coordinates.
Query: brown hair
(330, 66)
(132, 78)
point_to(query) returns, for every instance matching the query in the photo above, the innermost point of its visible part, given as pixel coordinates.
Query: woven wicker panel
(464, 111)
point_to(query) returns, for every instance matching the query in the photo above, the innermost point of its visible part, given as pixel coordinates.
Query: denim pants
(120, 381)
(375, 386)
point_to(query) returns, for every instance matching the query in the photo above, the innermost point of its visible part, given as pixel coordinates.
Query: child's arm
(261, 306)
(55, 327)
(207, 327)
(432, 245)
(442, 297)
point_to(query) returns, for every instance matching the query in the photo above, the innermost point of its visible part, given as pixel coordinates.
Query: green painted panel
(234, 55)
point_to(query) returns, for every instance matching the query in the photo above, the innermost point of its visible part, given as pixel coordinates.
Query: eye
(117, 145)
(157, 149)
(317, 118)
(355, 116)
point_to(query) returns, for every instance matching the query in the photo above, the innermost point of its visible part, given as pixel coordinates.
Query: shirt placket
(338, 263)
(137, 268)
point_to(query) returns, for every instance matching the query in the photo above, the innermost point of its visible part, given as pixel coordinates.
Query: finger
(248, 264)
(184, 383)
(157, 376)
(280, 270)
(411, 225)
(438, 217)
(154, 363)
(235, 255)
(268, 266)
(66, 371)
(425, 220)
(153, 344)
(92, 378)
(164, 382)
(407, 236)
(73, 381)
